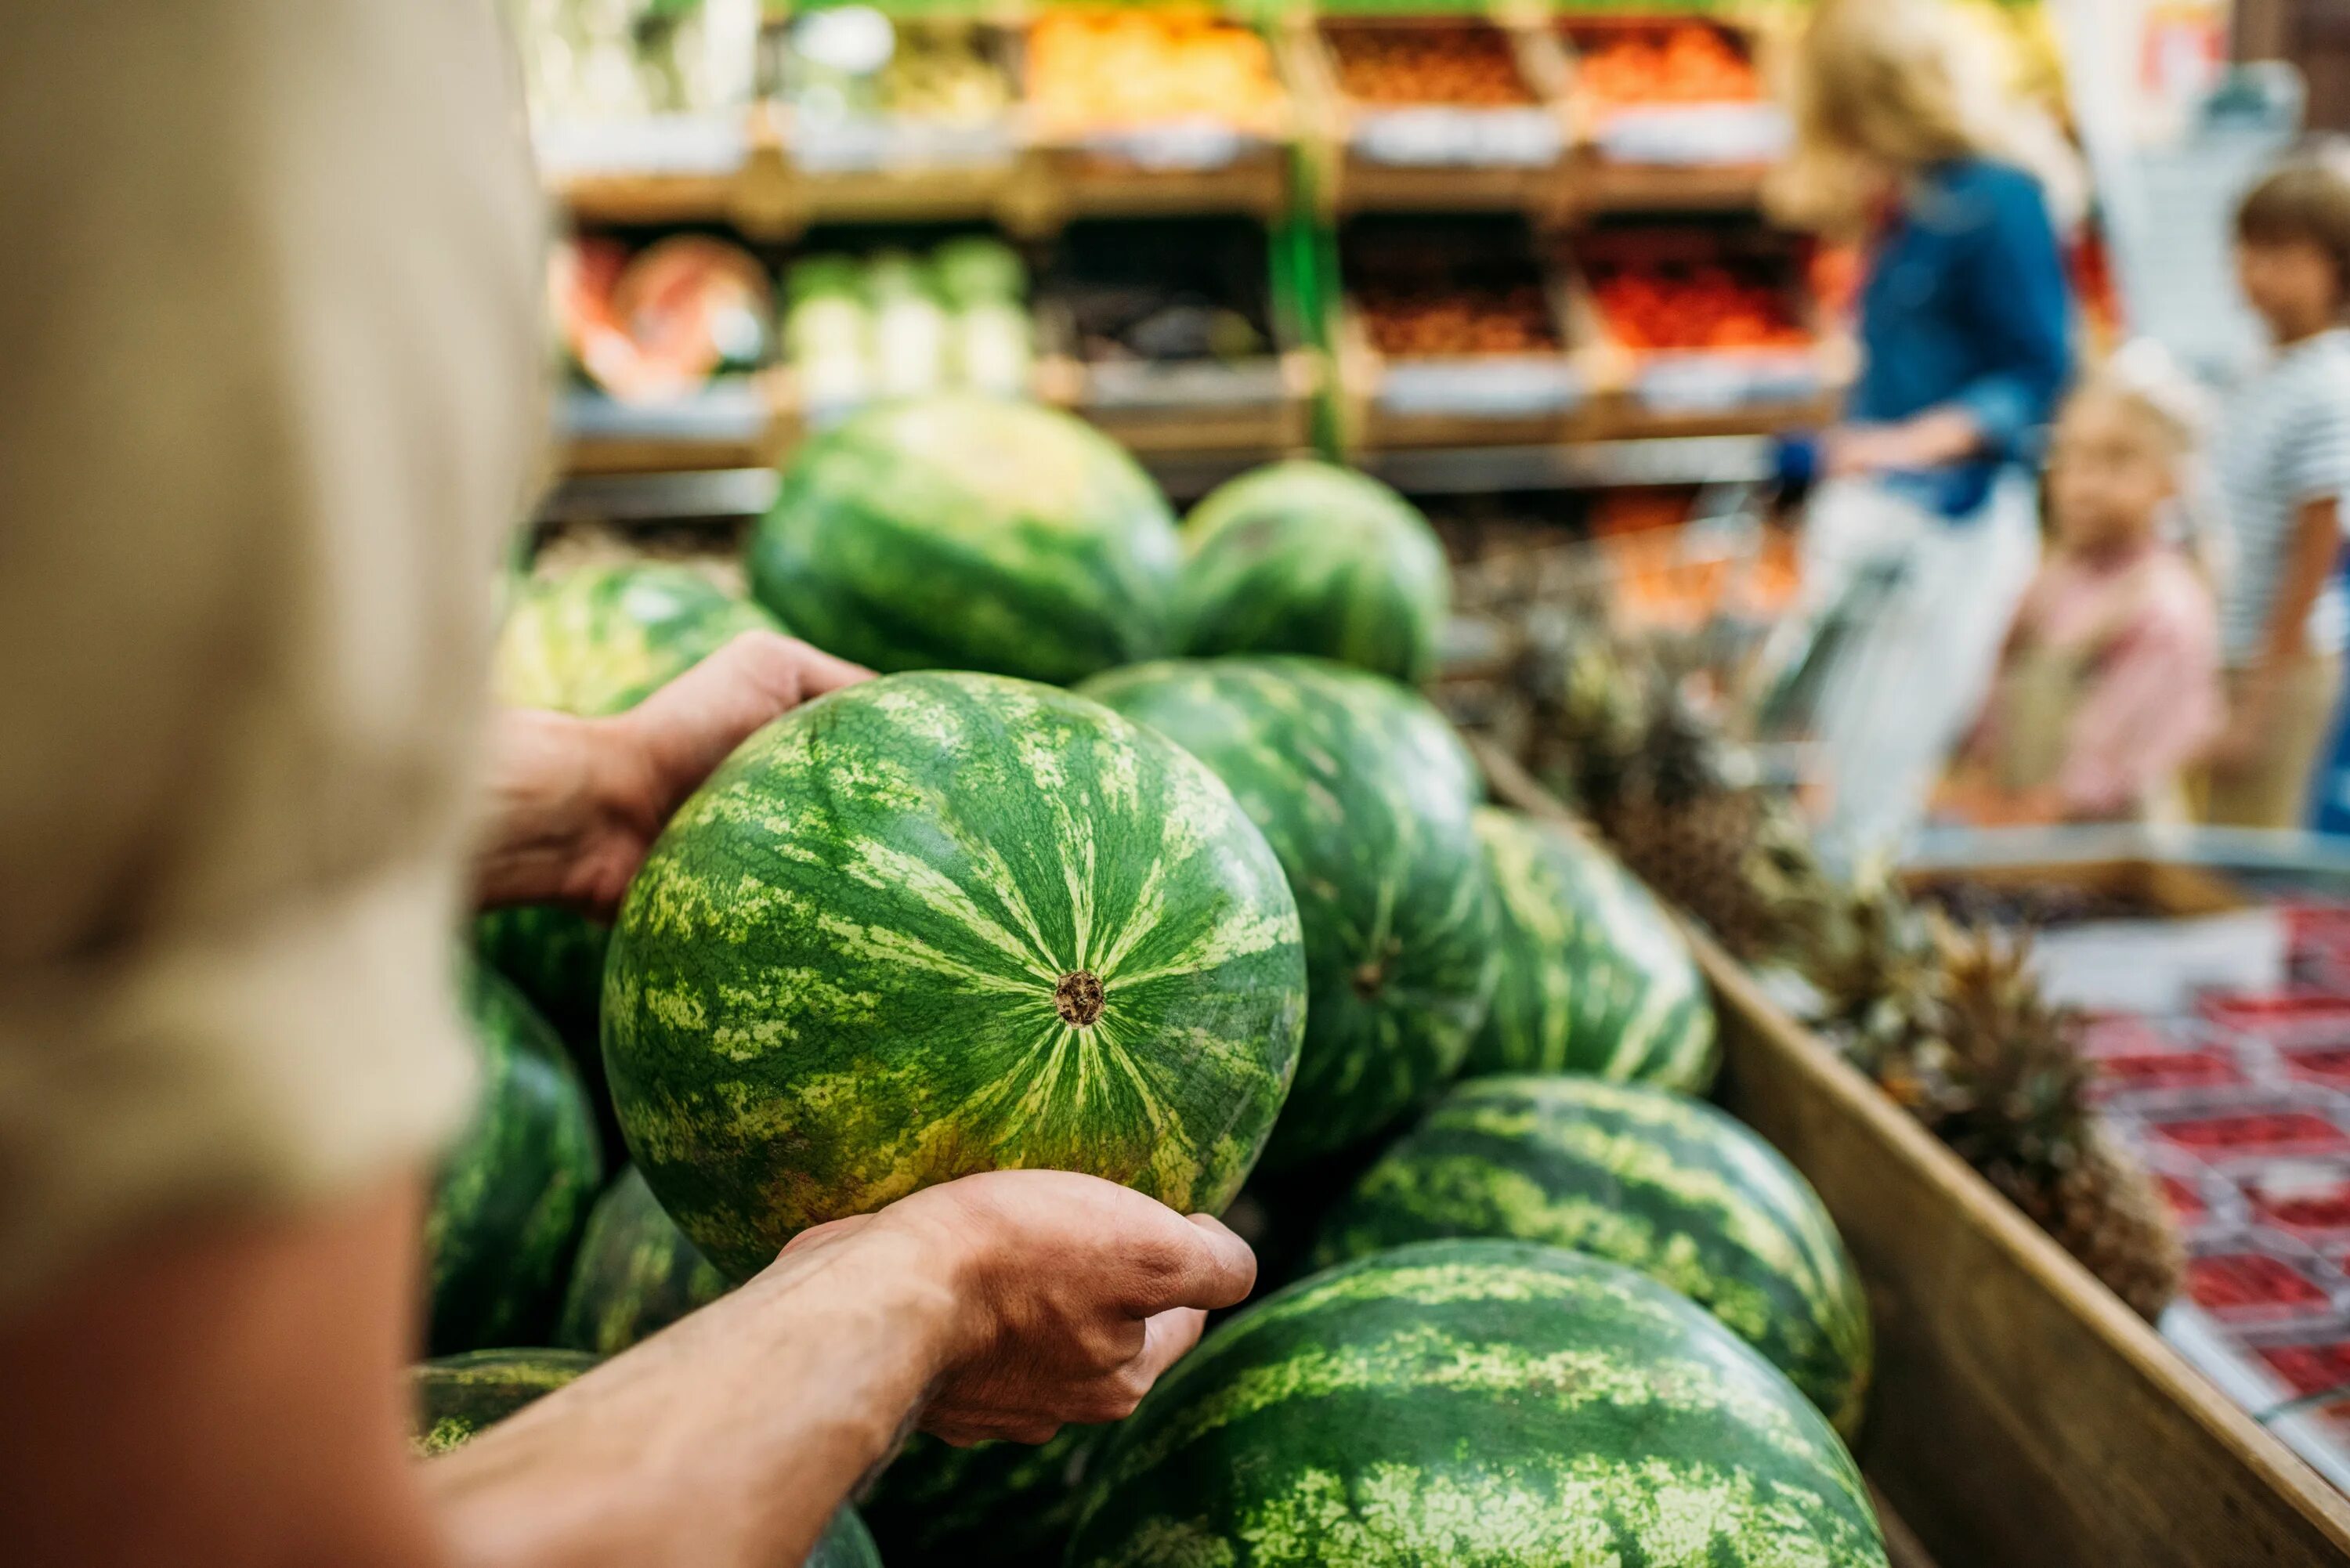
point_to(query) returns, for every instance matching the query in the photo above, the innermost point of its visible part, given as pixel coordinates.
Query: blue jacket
(1967, 301)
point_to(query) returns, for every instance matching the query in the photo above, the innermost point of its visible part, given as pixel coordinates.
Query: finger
(1221, 1267)
(821, 672)
(1167, 1339)
(824, 1235)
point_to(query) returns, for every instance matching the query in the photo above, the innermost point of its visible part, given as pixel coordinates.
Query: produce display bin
(1455, 334)
(1130, 315)
(1700, 326)
(2022, 1417)
(1433, 113)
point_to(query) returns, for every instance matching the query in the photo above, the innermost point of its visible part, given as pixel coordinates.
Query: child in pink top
(2109, 683)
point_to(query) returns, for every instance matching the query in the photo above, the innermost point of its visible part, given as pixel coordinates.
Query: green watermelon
(941, 923)
(1596, 977)
(515, 1190)
(1365, 793)
(1305, 557)
(992, 1505)
(1646, 1178)
(594, 641)
(635, 1274)
(845, 1544)
(458, 1395)
(1481, 1403)
(961, 533)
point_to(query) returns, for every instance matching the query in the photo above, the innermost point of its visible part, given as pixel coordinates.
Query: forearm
(683, 1451)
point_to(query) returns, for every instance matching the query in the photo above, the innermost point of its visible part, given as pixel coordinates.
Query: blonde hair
(1898, 85)
(2142, 380)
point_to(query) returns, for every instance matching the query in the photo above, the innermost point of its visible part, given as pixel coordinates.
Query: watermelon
(959, 533)
(1486, 1403)
(941, 923)
(1596, 977)
(1305, 557)
(594, 641)
(845, 1545)
(514, 1191)
(457, 1396)
(1646, 1178)
(1366, 793)
(636, 1273)
(992, 1505)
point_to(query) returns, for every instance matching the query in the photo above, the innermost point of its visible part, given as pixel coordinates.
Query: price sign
(1443, 136)
(652, 144)
(868, 143)
(1138, 384)
(1174, 145)
(1500, 386)
(1710, 382)
(1696, 134)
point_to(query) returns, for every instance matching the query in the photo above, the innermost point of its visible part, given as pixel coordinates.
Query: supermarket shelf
(733, 492)
(1579, 465)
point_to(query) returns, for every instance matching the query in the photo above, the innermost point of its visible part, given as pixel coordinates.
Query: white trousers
(1910, 684)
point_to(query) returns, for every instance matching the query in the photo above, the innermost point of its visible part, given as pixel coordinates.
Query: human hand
(1931, 440)
(2238, 745)
(1073, 1294)
(578, 801)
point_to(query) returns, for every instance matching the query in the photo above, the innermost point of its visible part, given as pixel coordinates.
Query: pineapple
(1952, 1025)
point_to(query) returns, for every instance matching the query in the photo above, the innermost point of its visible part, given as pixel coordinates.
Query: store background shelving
(1317, 163)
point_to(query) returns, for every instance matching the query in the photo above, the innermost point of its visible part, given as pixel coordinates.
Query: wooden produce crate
(1124, 312)
(1669, 113)
(1408, 378)
(2021, 1415)
(736, 422)
(1388, 131)
(1116, 160)
(1703, 328)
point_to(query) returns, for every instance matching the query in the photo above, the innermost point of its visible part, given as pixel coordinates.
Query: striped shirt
(2286, 442)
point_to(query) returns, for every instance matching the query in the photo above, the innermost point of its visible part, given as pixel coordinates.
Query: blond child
(2108, 685)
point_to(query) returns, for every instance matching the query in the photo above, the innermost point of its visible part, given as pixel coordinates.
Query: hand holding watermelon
(1071, 1294)
(577, 802)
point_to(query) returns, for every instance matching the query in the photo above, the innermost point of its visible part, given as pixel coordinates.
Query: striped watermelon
(1365, 793)
(594, 641)
(1595, 976)
(966, 534)
(942, 923)
(515, 1190)
(1645, 1177)
(635, 1274)
(1475, 1402)
(458, 1395)
(1305, 557)
(992, 1505)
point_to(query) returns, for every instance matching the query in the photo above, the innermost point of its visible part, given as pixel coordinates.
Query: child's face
(2108, 475)
(2291, 283)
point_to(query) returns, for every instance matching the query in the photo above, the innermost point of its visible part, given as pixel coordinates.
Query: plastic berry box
(2255, 1283)
(2305, 1365)
(2273, 1124)
(2305, 1198)
(2327, 1066)
(2203, 1202)
(2298, 1015)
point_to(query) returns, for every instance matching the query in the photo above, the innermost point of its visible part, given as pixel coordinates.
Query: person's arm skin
(229, 1393)
(2309, 561)
(576, 803)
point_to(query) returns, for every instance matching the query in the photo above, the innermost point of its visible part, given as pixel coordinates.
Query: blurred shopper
(274, 395)
(1922, 529)
(2109, 683)
(2284, 462)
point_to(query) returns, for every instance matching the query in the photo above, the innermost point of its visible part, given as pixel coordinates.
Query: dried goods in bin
(1633, 65)
(1096, 72)
(1455, 290)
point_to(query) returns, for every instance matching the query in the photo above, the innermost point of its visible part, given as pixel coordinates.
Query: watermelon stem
(1078, 997)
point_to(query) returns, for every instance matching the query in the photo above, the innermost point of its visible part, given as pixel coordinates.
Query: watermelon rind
(963, 533)
(514, 1191)
(1646, 1178)
(940, 923)
(1595, 976)
(1309, 558)
(1365, 793)
(636, 1272)
(457, 1396)
(1491, 1403)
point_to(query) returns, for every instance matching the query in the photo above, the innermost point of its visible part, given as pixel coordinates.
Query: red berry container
(2299, 1363)
(2202, 1202)
(2298, 1015)
(2250, 1282)
(2327, 1066)
(2305, 1198)
(2259, 1125)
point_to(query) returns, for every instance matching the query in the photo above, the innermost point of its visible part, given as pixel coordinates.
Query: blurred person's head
(2293, 249)
(1880, 91)
(2124, 443)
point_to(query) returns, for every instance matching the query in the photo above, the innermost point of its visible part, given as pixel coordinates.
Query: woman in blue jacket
(1926, 507)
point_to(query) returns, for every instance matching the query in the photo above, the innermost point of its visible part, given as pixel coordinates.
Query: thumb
(694, 723)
